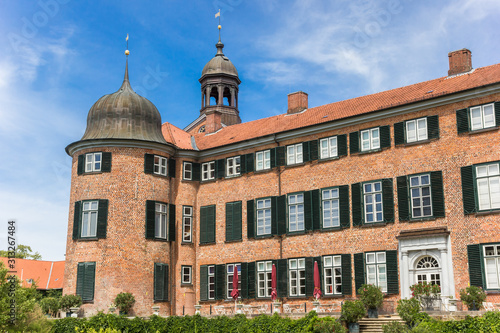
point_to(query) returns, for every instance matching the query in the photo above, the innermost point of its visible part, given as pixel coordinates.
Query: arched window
(427, 262)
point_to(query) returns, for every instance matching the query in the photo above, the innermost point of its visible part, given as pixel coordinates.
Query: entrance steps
(374, 325)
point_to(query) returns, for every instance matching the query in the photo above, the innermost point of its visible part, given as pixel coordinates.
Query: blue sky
(59, 56)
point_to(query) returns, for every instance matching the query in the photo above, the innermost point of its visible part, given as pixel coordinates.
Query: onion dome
(124, 115)
(219, 65)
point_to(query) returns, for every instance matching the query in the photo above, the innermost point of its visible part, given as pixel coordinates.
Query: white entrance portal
(425, 255)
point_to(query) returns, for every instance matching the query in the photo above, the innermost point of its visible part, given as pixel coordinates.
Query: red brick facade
(125, 258)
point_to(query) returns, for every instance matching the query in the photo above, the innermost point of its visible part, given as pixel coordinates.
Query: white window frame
(229, 278)
(296, 214)
(211, 285)
(233, 166)
(370, 198)
(187, 223)
(419, 131)
(263, 213)
(488, 186)
(332, 275)
(208, 171)
(294, 154)
(480, 112)
(187, 171)
(93, 162)
(264, 278)
(186, 272)
(419, 185)
(263, 160)
(377, 261)
(161, 220)
(160, 165)
(90, 214)
(328, 147)
(330, 207)
(297, 277)
(491, 259)
(372, 141)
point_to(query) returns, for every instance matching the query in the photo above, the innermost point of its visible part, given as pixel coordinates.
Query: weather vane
(218, 16)
(127, 52)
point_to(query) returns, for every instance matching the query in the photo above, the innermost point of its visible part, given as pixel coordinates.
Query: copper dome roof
(124, 115)
(219, 64)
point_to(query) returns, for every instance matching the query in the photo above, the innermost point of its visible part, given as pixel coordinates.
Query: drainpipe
(279, 194)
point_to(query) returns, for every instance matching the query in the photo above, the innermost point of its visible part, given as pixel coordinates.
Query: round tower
(122, 217)
(219, 88)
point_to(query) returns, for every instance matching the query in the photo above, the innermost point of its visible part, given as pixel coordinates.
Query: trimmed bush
(124, 302)
(70, 301)
(395, 327)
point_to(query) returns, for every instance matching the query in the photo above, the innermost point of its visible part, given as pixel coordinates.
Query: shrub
(352, 311)
(395, 327)
(425, 289)
(371, 296)
(409, 311)
(327, 325)
(473, 295)
(124, 302)
(70, 301)
(50, 305)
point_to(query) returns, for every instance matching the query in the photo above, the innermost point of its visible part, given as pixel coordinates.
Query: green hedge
(173, 324)
(489, 322)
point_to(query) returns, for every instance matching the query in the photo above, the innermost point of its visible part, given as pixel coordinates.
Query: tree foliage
(23, 252)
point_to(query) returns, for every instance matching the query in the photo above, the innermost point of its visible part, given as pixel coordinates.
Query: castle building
(393, 188)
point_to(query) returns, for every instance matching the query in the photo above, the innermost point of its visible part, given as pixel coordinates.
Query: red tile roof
(176, 136)
(345, 109)
(40, 272)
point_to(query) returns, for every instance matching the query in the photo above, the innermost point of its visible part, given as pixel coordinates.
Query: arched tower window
(227, 97)
(214, 96)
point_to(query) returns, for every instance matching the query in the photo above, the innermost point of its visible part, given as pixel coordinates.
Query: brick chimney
(213, 122)
(460, 62)
(297, 102)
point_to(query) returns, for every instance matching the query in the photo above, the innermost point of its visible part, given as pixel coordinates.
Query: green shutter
(462, 121)
(171, 222)
(80, 278)
(497, 114)
(251, 279)
(357, 205)
(149, 163)
(359, 270)
(250, 219)
(196, 171)
(344, 206)
(211, 224)
(313, 150)
(280, 156)
(89, 282)
(309, 276)
(244, 280)
(237, 221)
(106, 162)
(282, 277)
(346, 275)
(388, 200)
(273, 158)
(102, 218)
(475, 267)
(354, 142)
(229, 221)
(391, 259)
(403, 204)
(220, 168)
(171, 167)
(305, 152)
(150, 219)
(220, 281)
(468, 190)
(203, 225)
(243, 164)
(77, 220)
(437, 194)
(165, 283)
(249, 162)
(342, 145)
(316, 210)
(399, 133)
(81, 164)
(308, 223)
(385, 136)
(159, 278)
(281, 209)
(204, 283)
(433, 127)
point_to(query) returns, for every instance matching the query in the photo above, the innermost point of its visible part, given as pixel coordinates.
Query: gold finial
(127, 52)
